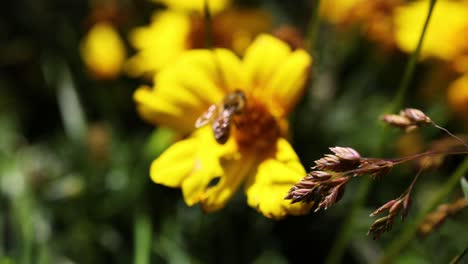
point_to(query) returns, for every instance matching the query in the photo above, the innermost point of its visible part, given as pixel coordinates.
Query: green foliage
(75, 155)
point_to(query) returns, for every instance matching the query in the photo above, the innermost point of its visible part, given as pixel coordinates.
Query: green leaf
(464, 186)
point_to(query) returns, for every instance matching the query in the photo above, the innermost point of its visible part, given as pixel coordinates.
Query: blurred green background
(75, 156)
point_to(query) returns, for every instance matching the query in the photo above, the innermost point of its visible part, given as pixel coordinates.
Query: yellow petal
(193, 72)
(447, 22)
(205, 73)
(235, 168)
(274, 177)
(337, 11)
(103, 51)
(261, 60)
(229, 73)
(175, 164)
(287, 83)
(457, 95)
(177, 112)
(194, 163)
(159, 43)
(207, 168)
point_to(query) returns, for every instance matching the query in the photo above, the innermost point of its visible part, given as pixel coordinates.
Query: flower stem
(459, 257)
(312, 28)
(409, 70)
(338, 249)
(142, 237)
(208, 25)
(450, 134)
(410, 229)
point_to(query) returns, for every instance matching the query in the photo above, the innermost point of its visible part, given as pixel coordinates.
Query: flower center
(256, 129)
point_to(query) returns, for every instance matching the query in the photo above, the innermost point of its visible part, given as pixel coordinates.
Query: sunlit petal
(287, 83)
(235, 168)
(262, 59)
(159, 43)
(176, 111)
(448, 20)
(274, 177)
(206, 169)
(175, 164)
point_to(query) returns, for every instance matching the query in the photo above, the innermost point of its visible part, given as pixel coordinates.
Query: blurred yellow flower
(103, 51)
(338, 11)
(159, 43)
(195, 5)
(375, 18)
(457, 95)
(445, 33)
(171, 33)
(270, 79)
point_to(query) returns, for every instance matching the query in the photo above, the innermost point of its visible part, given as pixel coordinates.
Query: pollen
(257, 129)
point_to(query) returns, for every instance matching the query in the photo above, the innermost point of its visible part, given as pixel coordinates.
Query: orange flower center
(256, 129)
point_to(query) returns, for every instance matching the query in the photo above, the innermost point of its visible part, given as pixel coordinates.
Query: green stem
(142, 239)
(339, 247)
(410, 229)
(312, 28)
(409, 71)
(208, 25)
(459, 257)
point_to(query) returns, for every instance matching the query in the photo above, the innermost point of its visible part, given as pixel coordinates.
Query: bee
(221, 115)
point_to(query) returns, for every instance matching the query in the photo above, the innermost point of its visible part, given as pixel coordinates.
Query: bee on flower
(235, 113)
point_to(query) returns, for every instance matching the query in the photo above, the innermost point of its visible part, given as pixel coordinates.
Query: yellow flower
(449, 20)
(159, 43)
(457, 95)
(375, 17)
(256, 155)
(103, 51)
(338, 11)
(171, 33)
(195, 5)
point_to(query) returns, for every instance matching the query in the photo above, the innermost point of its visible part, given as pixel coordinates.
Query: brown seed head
(319, 175)
(380, 226)
(406, 206)
(329, 162)
(408, 119)
(346, 153)
(416, 116)
(436, 218)
(332, 196)
(393, 207)
(344, 159)
(383, 208)
(324, 188)
(396, 120)
(374, 167)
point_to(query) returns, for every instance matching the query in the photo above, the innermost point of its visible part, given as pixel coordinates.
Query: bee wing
(207, 116)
